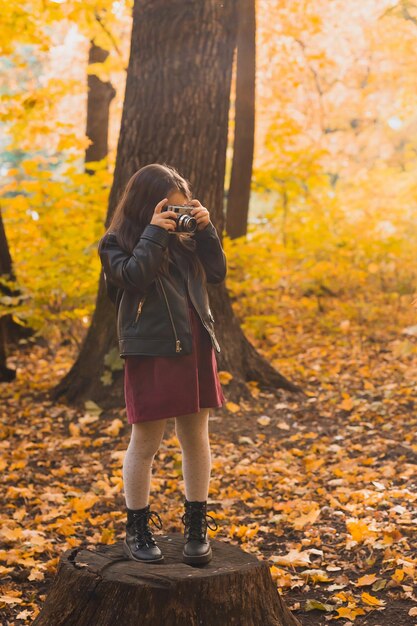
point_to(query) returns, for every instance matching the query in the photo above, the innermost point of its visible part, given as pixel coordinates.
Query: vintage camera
(185, 223)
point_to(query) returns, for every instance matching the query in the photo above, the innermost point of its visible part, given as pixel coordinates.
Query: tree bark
(104, 587)
(244, 137)
(100, 95)
(175, 111)
(10, 331)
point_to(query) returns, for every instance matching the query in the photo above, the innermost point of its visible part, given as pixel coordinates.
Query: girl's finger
(160, 205)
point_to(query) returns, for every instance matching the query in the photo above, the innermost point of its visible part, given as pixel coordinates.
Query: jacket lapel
(181, 263)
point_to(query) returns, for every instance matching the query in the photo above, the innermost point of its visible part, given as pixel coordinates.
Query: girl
(156, 275)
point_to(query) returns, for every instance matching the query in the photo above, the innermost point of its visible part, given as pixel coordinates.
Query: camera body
(185, 222)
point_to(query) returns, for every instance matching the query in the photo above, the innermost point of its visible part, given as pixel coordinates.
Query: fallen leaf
(368, 579)
(379, 584)
(224, 377)
(349, 612)
(316, 575)
(243, 439)
(294, 558)
(371, 600)
(264, 420)
(309, 518)
(312, 605)
(232, 407)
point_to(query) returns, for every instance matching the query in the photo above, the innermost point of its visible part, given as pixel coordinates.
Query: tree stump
(103, 587)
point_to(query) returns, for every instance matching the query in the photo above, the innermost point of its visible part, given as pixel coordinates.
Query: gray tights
(193, 436)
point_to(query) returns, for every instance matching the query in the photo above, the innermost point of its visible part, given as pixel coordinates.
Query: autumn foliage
(322, 486)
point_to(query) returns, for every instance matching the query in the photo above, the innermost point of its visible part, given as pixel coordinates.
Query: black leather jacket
(152, 310)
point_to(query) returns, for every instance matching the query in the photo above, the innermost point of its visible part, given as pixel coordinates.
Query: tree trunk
(175, 111)
(105, 587)
(100, 95)
(10, 331)
(241, 174)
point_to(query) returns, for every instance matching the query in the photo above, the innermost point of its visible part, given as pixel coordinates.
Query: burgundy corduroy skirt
(151, 383)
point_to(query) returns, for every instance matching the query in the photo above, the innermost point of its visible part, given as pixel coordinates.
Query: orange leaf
(349, 612)
(371, 600)
(369, 579)
(309, 518)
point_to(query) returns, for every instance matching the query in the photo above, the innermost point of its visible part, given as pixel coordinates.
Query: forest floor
(323, 486)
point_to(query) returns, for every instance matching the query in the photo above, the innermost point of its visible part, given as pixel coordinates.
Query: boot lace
(143, 534)
(197, 522)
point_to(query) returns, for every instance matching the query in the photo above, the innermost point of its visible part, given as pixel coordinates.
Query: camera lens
(186, 224)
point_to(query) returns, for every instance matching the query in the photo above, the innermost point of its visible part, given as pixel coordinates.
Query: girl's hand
(200, 213)
(164, 219)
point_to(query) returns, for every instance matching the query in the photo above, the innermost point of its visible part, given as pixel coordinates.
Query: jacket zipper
(139, 311)
(177, 341)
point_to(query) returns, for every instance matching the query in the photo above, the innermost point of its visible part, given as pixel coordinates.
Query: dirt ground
(309, 474)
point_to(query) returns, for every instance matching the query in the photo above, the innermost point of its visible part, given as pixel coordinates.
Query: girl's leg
(144, 442)
(193, 434)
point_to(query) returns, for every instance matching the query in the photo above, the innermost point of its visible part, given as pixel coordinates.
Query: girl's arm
(211, 254)
(136, 271)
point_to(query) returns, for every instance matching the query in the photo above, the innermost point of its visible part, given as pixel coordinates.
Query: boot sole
(200, 559)
(127, 551)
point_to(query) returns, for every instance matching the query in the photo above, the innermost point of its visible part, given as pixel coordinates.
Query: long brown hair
(148, 186)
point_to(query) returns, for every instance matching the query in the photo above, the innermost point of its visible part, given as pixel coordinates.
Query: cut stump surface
(102, 587)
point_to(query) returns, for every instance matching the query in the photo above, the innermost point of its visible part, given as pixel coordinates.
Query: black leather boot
(197, 549)
(140, 543)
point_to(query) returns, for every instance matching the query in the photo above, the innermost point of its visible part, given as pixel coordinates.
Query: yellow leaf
(368, 579)
(280, 576)
(244, 531)
(346, 405)
(349, 612)
(74, 429)
(225, 377)
(114, 427)
(253, 388)
(309, 518)
(107, 535)
(371, 600)
(11, 534)
(10, 598)
(312, 464)
(80, 505)
(398, 575)
(36, 574)
(369, 460)
(359, 530)
(316, 575)
(294, 557)
(64, 527)
(232, 407)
